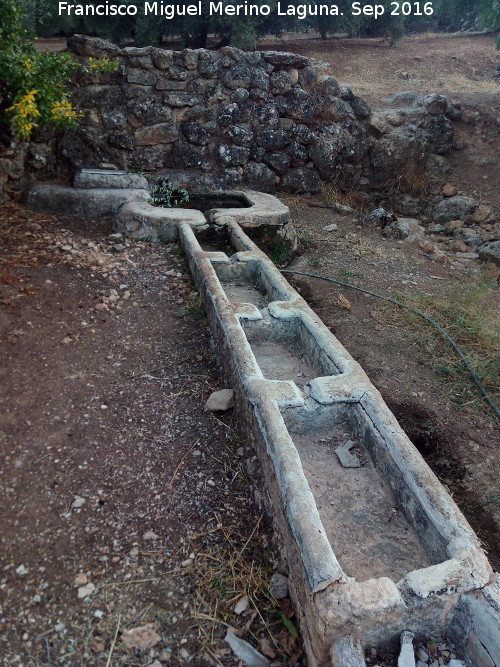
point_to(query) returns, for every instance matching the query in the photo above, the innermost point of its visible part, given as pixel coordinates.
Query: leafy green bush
(33, 83)
(165, 195)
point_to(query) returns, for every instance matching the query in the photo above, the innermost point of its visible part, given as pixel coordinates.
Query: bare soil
(112, 470)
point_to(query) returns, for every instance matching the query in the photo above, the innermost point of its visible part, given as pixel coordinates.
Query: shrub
(32, 83)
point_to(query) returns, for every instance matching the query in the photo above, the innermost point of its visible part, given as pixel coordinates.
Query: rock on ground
(221, 400)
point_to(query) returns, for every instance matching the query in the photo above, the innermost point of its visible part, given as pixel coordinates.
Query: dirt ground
(103, 394)
(113, 475)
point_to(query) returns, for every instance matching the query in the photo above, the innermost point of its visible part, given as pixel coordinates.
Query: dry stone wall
(265, 120)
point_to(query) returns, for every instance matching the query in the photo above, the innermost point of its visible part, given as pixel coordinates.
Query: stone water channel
(374, 544)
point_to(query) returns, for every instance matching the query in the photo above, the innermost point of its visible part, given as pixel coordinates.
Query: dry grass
(414, 180)
(343, 303)
(425, 36)
(467, 313)
(196, 309)
(462, 84)
(233, 570)
(292, 201)
(333, 194)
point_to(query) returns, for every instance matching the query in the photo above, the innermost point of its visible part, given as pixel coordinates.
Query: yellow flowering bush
(24, 113)
(33, 83)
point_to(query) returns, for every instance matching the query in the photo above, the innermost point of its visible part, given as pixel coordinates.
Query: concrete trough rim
(263, 208)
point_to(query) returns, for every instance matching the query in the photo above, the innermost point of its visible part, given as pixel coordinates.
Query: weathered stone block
(114, 119)
(298, 104)
(283, 59)
(161, 58)
(259, 177)
(266, 116)
(280, 82)
(179, 100)
(327, 85)
(170, 84)
(177, 73)
(121, 140)
(302, 134)
(152, 158)
(162, 133)
(260, 79)
(455, 208)
(278, 161)
(238, 76)
(301, 179)
(95, 47)
(141, 77)
(232, 156)
(185, 156)
(273, 139)
(334, 109)
(329, 151)
(92, 204)
(361, 108)
(102, 178)
(208, 65)
(240, 96)
(298, 154)
(189, 59)
(396, 151)
(241, 135)
(195, 133)
(490, 252)
(142, 220)
(98, 95)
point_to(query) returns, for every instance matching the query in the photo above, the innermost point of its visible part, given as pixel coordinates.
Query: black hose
(425, 317)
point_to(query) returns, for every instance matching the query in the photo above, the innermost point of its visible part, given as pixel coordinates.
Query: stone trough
(143, 220)
(372, 549)
(373, 542)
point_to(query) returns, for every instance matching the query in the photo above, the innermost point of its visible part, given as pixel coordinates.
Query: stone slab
(141, 220)
(104, 178)
(93, 204)
(263, 209)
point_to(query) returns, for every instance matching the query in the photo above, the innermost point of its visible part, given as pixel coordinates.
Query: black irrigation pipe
(425, 317)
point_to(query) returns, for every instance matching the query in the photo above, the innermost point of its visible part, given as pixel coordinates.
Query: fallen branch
(132, 581)
(313, 204)
(182, 461)
(112, 647)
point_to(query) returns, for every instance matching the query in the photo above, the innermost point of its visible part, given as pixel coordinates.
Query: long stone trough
(373, 543)
(372, 549)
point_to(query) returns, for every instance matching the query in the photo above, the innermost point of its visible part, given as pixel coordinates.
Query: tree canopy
(243, 31)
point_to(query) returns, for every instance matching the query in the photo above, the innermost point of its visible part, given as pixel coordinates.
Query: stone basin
(125, 198)
(246, 207)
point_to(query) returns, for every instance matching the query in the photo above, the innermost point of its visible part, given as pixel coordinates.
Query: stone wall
(266, 120)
